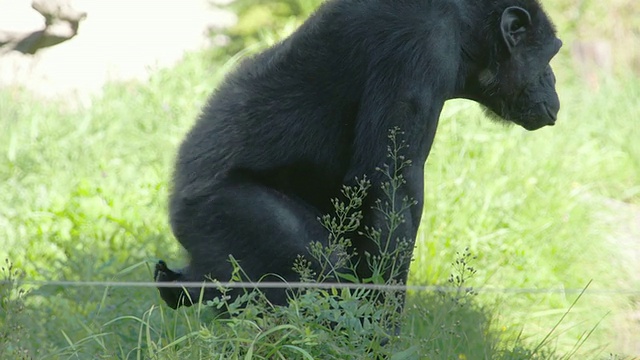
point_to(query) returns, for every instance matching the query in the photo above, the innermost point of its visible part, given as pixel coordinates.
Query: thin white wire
(303, 285)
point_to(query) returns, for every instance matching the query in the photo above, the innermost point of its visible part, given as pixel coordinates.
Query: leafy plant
(14, 335)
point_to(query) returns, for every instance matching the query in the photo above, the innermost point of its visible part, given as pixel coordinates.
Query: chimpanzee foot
(173, 296)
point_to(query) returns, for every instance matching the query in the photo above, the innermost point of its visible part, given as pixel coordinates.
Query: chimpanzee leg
(262, 228)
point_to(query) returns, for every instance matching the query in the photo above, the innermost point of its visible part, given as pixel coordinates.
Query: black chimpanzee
(291, 125)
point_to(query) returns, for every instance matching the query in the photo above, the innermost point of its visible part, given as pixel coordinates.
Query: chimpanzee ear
(514, 23)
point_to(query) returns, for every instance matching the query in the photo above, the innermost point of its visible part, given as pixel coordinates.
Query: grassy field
(83, 197)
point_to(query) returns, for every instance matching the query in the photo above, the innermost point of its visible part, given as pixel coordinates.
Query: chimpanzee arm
(415, 112)
(396, 96)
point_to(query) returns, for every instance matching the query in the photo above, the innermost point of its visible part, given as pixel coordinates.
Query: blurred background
(95, 97)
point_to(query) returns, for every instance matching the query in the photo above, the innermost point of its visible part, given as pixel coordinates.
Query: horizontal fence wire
(326, 286)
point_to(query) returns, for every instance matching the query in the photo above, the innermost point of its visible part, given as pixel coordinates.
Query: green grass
(530, 204)
(83, 197)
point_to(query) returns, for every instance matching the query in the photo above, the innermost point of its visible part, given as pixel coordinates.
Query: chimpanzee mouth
(553, 116)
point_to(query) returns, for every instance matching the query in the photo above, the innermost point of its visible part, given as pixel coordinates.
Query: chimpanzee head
(515, 81)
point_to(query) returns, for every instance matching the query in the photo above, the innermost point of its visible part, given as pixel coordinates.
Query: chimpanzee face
(520, 86)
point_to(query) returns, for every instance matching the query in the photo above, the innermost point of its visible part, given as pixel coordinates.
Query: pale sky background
(119, 39)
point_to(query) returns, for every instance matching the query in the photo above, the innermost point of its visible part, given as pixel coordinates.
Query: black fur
(290, 126)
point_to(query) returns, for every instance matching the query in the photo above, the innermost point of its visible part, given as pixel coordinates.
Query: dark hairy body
(290, 126)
